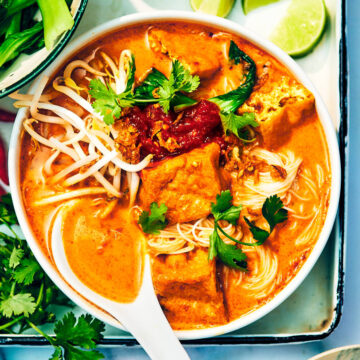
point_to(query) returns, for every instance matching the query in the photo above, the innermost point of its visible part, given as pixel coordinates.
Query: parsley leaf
(232, 100)
(153, 222)
(234, 123)
(274, 213)
(17, 304)
(229, 255)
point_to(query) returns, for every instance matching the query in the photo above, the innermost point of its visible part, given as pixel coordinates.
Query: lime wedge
(301, 28)
(249, 5)
(213, 7)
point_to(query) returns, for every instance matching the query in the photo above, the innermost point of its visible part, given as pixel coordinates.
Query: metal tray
(314, 309)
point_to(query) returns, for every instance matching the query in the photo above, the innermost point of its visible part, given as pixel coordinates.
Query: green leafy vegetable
(27, 295)
(236, 123)
(229, 255)
(11, 7)
(57, 19)
(274, 213)
(168, 92)
(19, 42)
(153, 222)
(231, 101)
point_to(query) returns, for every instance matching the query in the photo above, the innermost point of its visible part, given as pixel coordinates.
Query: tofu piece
(280, 104)
(186, 184)
(189, 275)
(189, 314)
(187, 288)
(191, 49)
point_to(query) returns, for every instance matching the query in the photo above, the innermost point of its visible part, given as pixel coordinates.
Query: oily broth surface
(307, 141)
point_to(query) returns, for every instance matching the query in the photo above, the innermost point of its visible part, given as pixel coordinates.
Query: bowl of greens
(32, 34)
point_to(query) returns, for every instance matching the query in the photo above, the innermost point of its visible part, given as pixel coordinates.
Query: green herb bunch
(27, 298)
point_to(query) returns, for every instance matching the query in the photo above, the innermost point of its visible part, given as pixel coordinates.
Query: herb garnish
(27, 294)
(237, 123)
(230, 255)
(153, 222)
(168, 92)
(156, 88)
(274, 213)
(232, 100)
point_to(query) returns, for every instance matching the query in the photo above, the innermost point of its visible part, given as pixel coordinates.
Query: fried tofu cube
(187, 288)
(190, 275)
(191, 49)
(186, 184)
(279, 106)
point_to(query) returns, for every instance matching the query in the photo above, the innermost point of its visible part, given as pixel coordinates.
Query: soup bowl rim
(236, 29)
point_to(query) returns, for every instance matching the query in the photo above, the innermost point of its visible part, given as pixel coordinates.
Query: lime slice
(249, 5)
(301, 28)
(213, 7)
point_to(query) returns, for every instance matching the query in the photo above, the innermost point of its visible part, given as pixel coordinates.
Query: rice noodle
(253, 193)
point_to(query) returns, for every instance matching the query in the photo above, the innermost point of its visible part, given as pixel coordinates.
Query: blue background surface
(348, 332)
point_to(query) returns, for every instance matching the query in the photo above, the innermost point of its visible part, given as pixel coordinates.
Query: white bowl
(226, 25)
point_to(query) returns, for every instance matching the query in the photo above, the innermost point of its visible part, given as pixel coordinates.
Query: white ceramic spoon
(143, 318)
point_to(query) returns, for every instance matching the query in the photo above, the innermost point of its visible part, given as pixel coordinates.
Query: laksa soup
(187, 143)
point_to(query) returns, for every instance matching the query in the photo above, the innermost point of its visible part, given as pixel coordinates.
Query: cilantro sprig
(27, 297)
(232, 256)
(229, 102)
(169, 92)
(156, 88)
(228, 254)
(274, 213)
(153, 222)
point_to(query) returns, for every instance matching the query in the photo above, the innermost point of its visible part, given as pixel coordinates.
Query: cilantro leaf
(15, 257)
(183, 80)
(25, 273)
(168, 92)
(7, 212)
(259, 234)
(106, 101)
(232, 100)
(57, 354)
(17, 304)
(153, 222)
(274, 213)
(223, 208)
(82, 332)
(229, 255)
(76, 337)
(234, 123)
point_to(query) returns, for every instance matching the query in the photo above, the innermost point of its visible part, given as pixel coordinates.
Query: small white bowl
(226, 25)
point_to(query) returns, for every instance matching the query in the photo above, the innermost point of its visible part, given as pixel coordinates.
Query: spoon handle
(146, 321)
